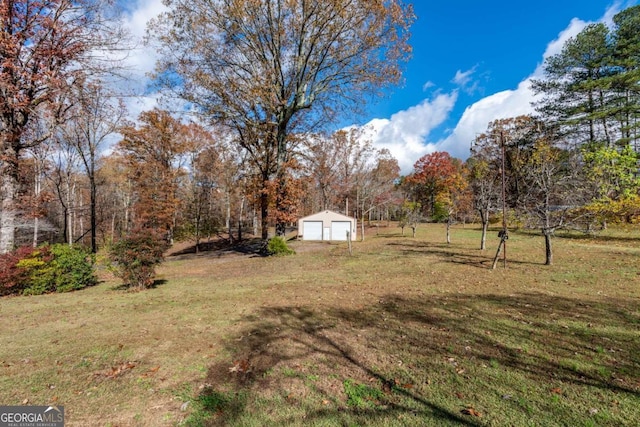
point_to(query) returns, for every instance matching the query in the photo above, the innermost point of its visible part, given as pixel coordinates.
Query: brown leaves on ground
(241, 366)
(115, 371)
(472, 412)
(151, 372)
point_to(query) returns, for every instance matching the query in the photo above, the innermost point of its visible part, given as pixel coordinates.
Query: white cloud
(428, 85)
(404, 134)
(505, 104)
(476, 117)
(465, 81)
(143, 59)
(462, 78)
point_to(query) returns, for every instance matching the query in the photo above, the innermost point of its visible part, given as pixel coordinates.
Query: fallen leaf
(150, 372)
(556, 390)
(241, 366)
(472, 412)
(116, 371)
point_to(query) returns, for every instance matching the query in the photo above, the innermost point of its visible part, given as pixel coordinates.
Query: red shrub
(14, 279)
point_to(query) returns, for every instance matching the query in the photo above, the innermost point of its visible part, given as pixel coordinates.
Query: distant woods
(264, 82)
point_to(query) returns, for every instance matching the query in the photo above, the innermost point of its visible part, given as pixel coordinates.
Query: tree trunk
(228, 223)
(9, 191)
(240, 215)
(113, 226)
(92, 214)
(485, 226)
(264, 213)
(449, 231)
(282, 205)
(548, 248)
(69, 211)
(37, 191)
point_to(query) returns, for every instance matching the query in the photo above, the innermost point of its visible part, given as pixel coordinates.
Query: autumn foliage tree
(45, 45)
(486, 163)
(336, 164)
(215, 191)
(437, 182)
(272, 69)
(153, 152)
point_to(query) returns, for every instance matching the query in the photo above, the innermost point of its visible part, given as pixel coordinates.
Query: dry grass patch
(404, 332)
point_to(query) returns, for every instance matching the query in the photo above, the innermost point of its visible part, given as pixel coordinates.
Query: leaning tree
(273, 68)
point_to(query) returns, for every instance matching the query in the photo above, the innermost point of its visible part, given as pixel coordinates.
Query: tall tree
(215, 194)
(95, 116)
(554, 190)
(44, 46)
(575, 86)
(376, 185)
(485, 166)
(270, 69)
(116, 195)
(626, 80)
(336, 164)
(155, 153)
(484, 180)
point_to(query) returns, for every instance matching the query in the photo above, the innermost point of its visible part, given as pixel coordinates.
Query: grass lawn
(405, 332)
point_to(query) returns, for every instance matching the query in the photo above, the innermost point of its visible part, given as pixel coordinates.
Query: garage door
(339, 229)
(312, 230)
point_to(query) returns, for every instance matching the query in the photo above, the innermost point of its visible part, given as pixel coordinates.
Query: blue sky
(471, 64)
(497, 42)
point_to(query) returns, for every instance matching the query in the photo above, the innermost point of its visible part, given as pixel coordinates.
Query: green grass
(403, 332)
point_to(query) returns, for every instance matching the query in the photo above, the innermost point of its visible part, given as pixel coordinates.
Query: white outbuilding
(327, 225)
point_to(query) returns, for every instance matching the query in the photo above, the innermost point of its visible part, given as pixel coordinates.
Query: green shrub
(40, 271)
(135, 257)
(278, 246)
(57, 268)
(73, 268)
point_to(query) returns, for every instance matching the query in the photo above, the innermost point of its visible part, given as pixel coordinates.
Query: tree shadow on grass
(455, 255)
(125, 287)
(595, 237)
(222, 247)
(301, 357)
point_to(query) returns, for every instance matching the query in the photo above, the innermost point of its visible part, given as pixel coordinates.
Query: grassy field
(406, 331)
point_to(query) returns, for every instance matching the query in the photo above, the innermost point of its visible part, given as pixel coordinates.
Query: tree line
(262, 81)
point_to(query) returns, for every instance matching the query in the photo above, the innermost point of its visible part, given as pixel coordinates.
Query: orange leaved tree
(272, 69)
